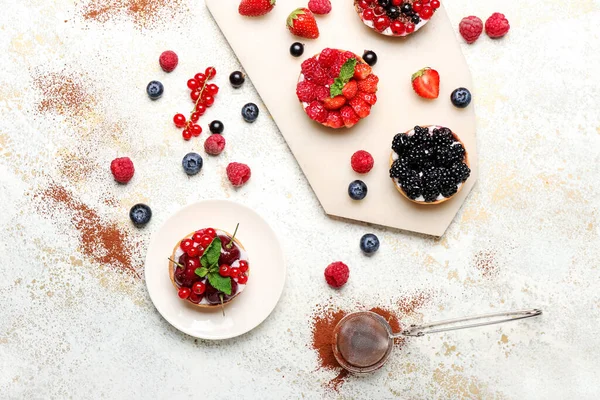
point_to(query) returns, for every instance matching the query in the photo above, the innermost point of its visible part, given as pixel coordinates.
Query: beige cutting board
(262, 46)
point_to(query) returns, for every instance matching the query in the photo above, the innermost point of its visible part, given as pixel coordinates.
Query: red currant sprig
(203, 95)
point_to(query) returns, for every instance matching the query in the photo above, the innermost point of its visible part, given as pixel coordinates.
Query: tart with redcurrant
(209, 268)
(396, 17)
(429, 164)
(337, 88)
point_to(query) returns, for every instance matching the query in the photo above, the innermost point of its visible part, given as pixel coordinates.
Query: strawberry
(369, 84)
(328, 57)
(349, 116)
(350, 89)
(301, 22)
(255, 8)
(369, 98)
(306, 91)
(334, 120)
(317, 112)
(334, 103)
(361, 71)
(360, 107)
(426, 83)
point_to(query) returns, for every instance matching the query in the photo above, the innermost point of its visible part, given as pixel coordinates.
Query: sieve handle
(464, 323)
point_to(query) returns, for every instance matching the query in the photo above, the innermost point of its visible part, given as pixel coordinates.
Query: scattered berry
(184, 293)
(369, 243)
(301, 22)
(297, 49)
(155, 89)
(237, 79)
(357, 190)
(320, 7)
(168, 60)
(179, 120)
(214, 145)
(426, 83)
(461, 97)
(216, 127)
(362, 162)
(370, 57)
(192, 163)
(497, 26)
(250, 112)
(336, 274)
(122, 169)
(238, 174)
(470, 28)
(196, 130)
(210, 73)
(140, 215)
(255, 8)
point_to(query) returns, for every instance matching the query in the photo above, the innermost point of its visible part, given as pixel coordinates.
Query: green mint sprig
(210, 267)
(346, 73)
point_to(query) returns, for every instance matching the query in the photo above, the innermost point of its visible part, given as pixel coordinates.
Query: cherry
(234, 272)
(426, 12)
(179, 120)
(381, 23)
(242, 279)
(234, 289)
(224, 270)
(410, 27)
(210, 72)
(368, 15)
(184, 293)
(435, 4)
(200, 78)
(186, 244)
(200, 109)
(228, 254)
(212, 89)
(195, 298)
(210, 232)
(213, 297)
(179, 276)
(189, 277)
(195, 117)
(199, 288)
(363, 4)
(243, 266)
(192, 263)
(205, 241)
(196, 130)
(183, 259)
(187, 135)
(193, 252)
(193, 84)
(194, 95)
(417, 7)
(379, 10)
(398, 28)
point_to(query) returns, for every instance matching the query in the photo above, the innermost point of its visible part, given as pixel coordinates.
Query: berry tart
(429, 164)
(209, 268)
(337, 88)
(396, 17)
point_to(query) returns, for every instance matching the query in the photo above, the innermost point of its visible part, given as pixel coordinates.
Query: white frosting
(388, 31)
(243, 256)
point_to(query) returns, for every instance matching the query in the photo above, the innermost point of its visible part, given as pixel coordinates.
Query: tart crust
(391, 34)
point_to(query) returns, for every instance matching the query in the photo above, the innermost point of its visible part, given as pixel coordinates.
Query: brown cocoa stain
(76, 167)
(64, 94)
(103, 241)
(144, 13)
(486, 264)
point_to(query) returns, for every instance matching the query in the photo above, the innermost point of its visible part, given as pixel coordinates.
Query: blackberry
(399, 169)
(400, 143)
(461, 172)
(442, 138)
(412, 191)
(458, 150)
(431, 178)
(446, 178)
(415, 155)
(431, 194)
(449, 191)
(411, 178)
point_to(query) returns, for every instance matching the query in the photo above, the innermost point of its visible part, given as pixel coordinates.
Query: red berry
(362, 162)
(224, 270)
(192, 263)
(195, 298)
(243, 266)
(435, 4)
(122, 169)
(186, 244)
(417, 6)
(363, 4)
(193, 84)
(214, 145)
(194, 95)
(210, 232)
(199, 288)
(234, 272)
(470, 28)
(184, 293)
(379, 10)
(410, 27)
(398, 28)
(168, 60)
(200, 109)
(209, 101)
(193, 252)
(368, 15)
(194, 117)
(397, 3)
(205, 241)
(197, 236)
(179, 120)
(242, 279)
(212, 89)
(238, 173)
(196, 130)
(426, 12)
(381, 23)
(200, 78)
(497, 26)
(187, 135)
(210, 72)
(337, 274)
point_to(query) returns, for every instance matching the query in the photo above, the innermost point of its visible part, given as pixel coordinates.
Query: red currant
(194, 95)
(243, 266)
(209, 101)
(242, 279)
(426, 12)
(196, 237)
(410, 27)
(368, 15)
(195, 117)
(193, 84)
(210, 232)
(195, 298)
(363, 4)
(193, 252)
(417, 6)
(205, 241)
(184, 293)
(398, 28)
(200, 109)
(397, 3)
(379, 10)
(210, 72)
(435, 4)
(200, 78)
(187, 135)
(234, 272)
(186, 244)
(381, 23)
(212, 89)
(179, 120)
(196, 130)
(224, 270)
(199, 288)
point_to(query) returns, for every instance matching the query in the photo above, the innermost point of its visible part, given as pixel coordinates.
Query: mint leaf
(211, 254)
(346, 73)
(201, 272)
(220, 283)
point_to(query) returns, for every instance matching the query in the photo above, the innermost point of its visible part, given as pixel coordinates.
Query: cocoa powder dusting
(485, 262)
(144, 13)
(64, 94)
(103, 241)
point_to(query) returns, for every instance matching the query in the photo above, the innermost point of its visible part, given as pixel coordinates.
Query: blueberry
(216, 127)
(461, 97)
(297, 49)
(237, 79)
(357, 190)
(369, 244)
(370, 57)
(155, 89)
(192, 163)
(140, 215)
(250, 112)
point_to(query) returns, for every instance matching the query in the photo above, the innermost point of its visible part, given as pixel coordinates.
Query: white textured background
(527, 236)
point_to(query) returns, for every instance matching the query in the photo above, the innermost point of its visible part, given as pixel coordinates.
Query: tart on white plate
(396, 17)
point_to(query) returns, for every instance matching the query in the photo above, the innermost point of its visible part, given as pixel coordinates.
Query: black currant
(297, 49)
(370, 57)
(237, 79)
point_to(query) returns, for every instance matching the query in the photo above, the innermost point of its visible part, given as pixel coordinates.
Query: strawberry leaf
(346, 73)
(221, 283)
(294, 16)
(211, 254)
(201, 272)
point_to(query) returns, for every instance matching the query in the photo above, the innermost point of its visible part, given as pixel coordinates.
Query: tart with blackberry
(429, 164)
(209, 268)
(337, 88)
(396, 17)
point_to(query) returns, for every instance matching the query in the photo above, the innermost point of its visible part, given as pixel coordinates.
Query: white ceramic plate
(267, 271)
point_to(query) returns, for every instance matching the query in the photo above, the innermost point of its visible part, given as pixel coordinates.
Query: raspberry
(168, 60)
(470, 28)
(320, 6)
(321, 93)
(362, 162)
(214, 145)
(305, 91)
(317, 112)
(122, 169)
(309, 65)
(336, 274)
(238, 173)
(328, 57)
(496, 26)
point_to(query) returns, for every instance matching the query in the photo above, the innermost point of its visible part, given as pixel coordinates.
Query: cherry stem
(230, 244)
(222, 305)
(176, 263)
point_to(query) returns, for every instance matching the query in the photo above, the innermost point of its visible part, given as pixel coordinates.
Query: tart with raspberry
(429, 164)
(337, 88)
(396, 17)
(209, 268)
